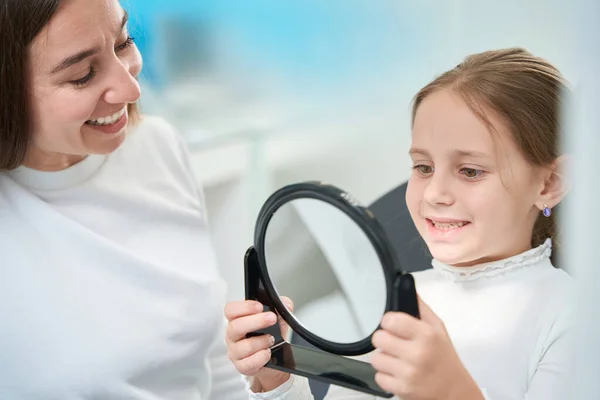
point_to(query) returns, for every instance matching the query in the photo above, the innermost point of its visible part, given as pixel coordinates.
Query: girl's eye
(128, 42)
(86, 79)
(423, 169)
(471, 173)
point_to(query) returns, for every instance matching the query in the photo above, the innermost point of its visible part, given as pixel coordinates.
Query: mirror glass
(321, 259)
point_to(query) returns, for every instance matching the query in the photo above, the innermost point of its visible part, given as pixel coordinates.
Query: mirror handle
(255, 290)
(404, 295)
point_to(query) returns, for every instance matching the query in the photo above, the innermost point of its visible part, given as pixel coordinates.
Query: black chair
(391, 210)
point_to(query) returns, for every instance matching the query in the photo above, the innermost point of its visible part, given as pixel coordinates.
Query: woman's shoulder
(156, 130)
(155, 123)
(153, 142)
(156, 147)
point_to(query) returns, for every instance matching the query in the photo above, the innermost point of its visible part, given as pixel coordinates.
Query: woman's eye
(471, 173)
(424, 169)
(128, 42)
(92, 73)
(85, 80)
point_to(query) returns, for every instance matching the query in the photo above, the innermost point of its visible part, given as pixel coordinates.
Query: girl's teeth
(448, 226)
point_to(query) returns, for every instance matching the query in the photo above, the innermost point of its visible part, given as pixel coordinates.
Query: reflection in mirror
(323, 261)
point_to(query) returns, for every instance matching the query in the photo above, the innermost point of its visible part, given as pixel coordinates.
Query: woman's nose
(125, 88)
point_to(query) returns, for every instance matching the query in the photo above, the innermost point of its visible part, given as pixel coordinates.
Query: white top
(508, 320)
(109, 289)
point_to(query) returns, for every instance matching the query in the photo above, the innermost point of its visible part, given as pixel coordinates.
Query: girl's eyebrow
(416, 151)
(472, 154)
(456, 153)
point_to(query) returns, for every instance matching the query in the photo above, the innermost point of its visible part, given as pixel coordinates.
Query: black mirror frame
(367, 222)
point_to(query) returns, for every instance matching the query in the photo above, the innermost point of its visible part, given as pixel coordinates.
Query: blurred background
(271, 92)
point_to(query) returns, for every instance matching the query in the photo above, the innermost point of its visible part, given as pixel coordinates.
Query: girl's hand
(249, 355)
(417, 361)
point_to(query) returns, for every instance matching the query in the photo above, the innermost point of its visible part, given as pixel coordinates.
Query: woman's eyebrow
(82, 55)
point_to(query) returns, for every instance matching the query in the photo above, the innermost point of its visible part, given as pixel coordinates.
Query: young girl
(494, 309)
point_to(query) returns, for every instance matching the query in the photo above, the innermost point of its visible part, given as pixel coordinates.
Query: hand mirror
(318, 246)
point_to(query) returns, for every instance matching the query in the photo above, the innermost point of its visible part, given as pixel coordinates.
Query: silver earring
(547, 211)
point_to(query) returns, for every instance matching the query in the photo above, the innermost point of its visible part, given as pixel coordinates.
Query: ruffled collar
(495, 268)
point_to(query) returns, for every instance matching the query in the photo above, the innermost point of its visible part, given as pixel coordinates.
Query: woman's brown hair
(20, 23)
(527, 93)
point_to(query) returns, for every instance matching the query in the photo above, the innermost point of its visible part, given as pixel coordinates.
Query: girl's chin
(451, 255)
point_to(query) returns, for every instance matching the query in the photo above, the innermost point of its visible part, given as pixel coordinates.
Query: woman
(109, 284)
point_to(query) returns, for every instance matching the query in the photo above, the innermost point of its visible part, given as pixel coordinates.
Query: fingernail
(259, 307)
(271, 340)
(271, 317)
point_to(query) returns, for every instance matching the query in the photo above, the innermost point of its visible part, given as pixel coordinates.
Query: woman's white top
(508, 320)
(109, 289)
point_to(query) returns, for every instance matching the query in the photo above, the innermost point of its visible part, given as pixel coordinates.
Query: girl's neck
(494, 258)
(488, 269)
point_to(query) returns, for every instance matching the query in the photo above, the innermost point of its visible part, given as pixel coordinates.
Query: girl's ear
(554, 185)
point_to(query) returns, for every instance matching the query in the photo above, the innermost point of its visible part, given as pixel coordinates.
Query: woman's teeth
(107, 120)
(448, 226)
